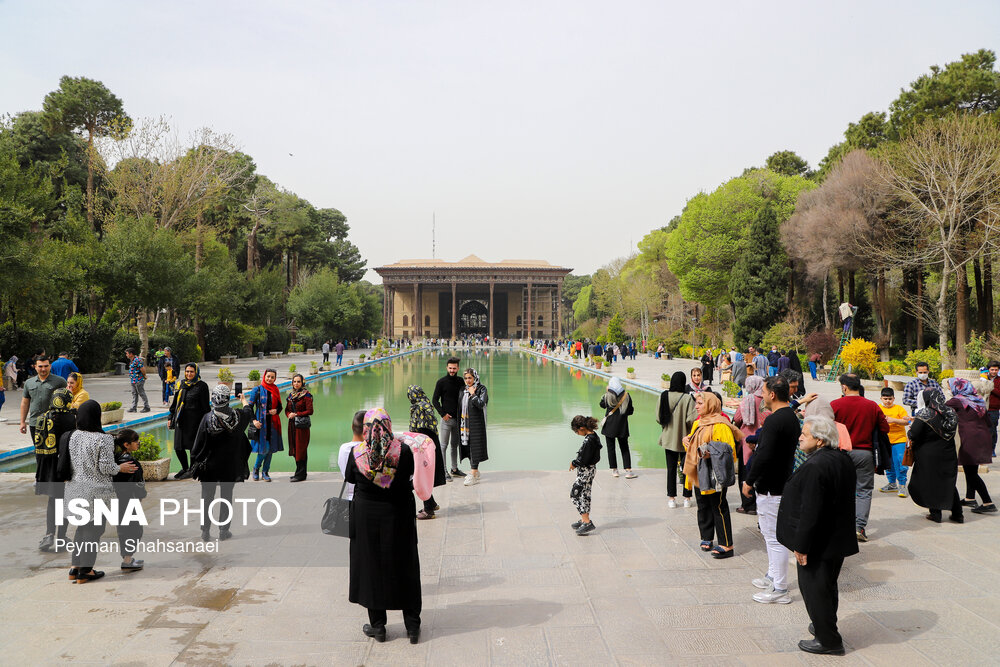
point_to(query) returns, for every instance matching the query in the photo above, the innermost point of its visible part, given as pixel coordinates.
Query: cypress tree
(759, 279)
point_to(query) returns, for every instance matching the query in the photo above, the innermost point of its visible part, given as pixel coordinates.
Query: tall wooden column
(416, 310)
(559, 308)
(454, 311)
(530, 321)
(491, 311)
(385, 309)
(392, 312)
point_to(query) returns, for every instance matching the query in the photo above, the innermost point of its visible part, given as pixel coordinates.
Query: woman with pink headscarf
(749, 417)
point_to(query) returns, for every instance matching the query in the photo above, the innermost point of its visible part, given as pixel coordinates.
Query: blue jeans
(340, 358)
(168, 391)
(812, 370)
(264, 459)
(896, 473)
(772, 371)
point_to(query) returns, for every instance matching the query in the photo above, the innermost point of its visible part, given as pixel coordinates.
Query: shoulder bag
(337, 515)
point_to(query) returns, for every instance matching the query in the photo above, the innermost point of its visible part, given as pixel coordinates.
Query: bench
(897, 382)
(227, 359)
(311, 351)
(275, 355)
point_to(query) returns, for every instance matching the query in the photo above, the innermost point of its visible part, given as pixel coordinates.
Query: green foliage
(714, 232)
(891, 367)
(123, 339)
(945, 374)
(253, 375)
(975, 351)
(785, 336)
(758, 281)
(616, 328)
(88, 344)
(931, 355)
(291, 369)
(673, 342)
(968, 85)
(225, 375)
(731, 388)
(110, 405)
(665, 377)
(584, 308)
(182, 344)
(235, 338)
(276, 339)
(296, 347)
(787, 163)
(630, 370)
(149, 448)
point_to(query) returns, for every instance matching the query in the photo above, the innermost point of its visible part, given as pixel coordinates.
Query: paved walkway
(505, 582)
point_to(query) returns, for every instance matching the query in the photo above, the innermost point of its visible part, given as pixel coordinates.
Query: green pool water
(532, 401)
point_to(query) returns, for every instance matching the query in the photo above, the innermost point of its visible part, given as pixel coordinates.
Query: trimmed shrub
(183, 344)
(149, 448)
(861, 356)
(121, 340)
(276, 339)
(931, 355)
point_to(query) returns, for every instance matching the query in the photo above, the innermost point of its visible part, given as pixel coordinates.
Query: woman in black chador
(385, 565)
(190, 405)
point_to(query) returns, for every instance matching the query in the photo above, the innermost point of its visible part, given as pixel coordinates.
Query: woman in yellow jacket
(713, 508)
(75, 386)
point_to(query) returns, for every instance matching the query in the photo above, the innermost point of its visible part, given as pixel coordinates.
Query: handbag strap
(342, 487)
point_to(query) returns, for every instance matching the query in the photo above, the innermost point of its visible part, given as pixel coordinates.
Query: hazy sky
(534, 130)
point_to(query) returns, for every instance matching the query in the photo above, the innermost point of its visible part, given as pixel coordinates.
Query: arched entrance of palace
(473, 318)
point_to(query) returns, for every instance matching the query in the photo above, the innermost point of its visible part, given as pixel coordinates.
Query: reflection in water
(532, 401)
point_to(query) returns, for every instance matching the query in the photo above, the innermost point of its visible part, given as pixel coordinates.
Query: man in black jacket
(816, 522)
(769, 470)
(445, 401)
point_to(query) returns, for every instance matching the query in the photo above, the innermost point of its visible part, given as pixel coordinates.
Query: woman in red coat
(298, 408)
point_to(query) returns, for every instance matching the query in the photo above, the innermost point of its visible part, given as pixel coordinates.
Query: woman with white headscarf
(472, 427)
(618, 406)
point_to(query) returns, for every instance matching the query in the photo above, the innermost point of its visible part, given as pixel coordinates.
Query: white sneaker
(687, 502)
(614, 472)
(671, 504)
(772, 597)
(764, 583)
(470, 480)
(630, 475)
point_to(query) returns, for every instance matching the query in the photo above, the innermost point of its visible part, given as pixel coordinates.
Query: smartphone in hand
(237, 389)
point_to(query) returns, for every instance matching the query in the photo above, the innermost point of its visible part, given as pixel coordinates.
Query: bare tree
(946, 178)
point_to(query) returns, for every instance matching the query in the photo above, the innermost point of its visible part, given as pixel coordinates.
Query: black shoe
(984, 509)
(585, 528)
(132, 410)
(145, 409)
(969, 502)
(83, 577)
(182, 474)
(48, 543)
(455, 472)
(936, 518)
(73, 573)
(296, 479)
(956, 518)
(136, 564)
(813, 646)
(576, 524)
(378, 634)
(225, 534)
(205, 535)
(413, 635)
(812, 629)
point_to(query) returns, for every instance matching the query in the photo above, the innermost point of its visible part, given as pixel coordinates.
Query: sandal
(721, 552)
(706, 545)
(423, 515)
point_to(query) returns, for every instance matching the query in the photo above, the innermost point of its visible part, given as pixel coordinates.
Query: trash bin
(120, 368)
(260, 355)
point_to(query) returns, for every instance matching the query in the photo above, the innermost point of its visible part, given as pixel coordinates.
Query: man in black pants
(816, 522)
(445, 401)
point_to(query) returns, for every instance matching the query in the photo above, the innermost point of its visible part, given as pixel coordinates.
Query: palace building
(437, 299)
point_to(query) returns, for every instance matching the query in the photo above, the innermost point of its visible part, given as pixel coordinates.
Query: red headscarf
(272, 389)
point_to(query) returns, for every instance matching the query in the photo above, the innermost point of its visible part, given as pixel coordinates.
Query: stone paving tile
(579, 645)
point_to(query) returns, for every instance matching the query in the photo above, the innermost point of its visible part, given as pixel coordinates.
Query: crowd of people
(804, 466)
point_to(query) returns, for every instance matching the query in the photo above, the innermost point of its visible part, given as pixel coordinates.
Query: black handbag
(303, 422)
(253, 432)
(337, 515)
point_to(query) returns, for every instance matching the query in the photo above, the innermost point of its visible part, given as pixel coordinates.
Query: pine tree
(758, 282)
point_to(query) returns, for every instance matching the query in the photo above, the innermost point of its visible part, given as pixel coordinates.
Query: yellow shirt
(722, 433)
(897, 432)
(79, 398)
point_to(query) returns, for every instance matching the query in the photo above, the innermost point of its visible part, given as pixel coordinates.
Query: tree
(757, 283)
(82, 104)
(616, 328)
(787, 163)
(946, 178)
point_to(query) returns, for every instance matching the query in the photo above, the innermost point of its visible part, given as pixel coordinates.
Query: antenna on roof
(433, 237)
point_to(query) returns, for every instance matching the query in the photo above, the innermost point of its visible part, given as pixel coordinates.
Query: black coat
(476, 450)
(590, 452)
(385, 563)
(771, 463)
(196, 405)
(935, 466)
(129, 485)
(222, 457)
(707, 367)
(616, 423)
(816, 515)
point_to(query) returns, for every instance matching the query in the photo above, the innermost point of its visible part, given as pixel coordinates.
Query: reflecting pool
(532, 401)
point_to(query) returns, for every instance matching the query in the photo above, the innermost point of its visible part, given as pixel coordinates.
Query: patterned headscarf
(753, 394)
(421, 411)
(377, 456)
(935, 408)
(183, 385)
(59, 418)
(463, 426)
(966, 393)
(222, 418)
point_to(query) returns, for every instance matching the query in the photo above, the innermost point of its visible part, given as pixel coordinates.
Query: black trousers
(128, 535)
(411, 618)
(612, 455)
(208, 495)
(326, 357)
(818, 585)
(747, 502)
(673, 460)
(88, 540)
(300, 468)
(974, 483)
(713, 518)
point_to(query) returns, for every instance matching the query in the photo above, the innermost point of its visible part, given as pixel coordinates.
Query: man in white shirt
(357, 428)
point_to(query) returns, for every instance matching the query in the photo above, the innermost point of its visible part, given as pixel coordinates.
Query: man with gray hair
(816, 522)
